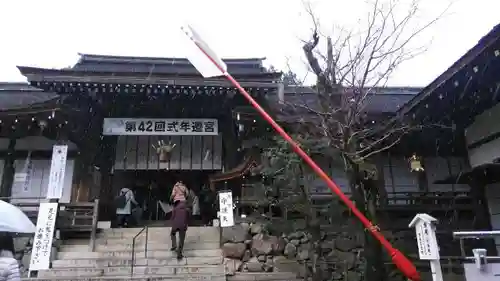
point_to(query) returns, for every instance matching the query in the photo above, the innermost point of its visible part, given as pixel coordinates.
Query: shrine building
(147, 122)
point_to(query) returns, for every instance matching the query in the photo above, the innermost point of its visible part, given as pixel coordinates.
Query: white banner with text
(146, 126)
(44, 235)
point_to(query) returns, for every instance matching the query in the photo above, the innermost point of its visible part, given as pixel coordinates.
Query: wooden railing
(431, 201)
(71, 217)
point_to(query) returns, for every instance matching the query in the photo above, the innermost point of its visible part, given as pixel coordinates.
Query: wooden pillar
(231, 145)
(106, 160)
(106, 186)
(482, 219)
(8, 170)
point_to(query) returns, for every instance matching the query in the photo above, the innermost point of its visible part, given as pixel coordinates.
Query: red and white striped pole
(214, 66)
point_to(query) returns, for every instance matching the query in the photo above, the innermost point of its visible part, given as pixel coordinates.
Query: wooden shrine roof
(250, 161)
(467, 88)
(155, 65)
(381, 100)
(21, 97)
(143, 70)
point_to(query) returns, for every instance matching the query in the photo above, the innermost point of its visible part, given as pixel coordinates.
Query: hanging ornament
(42, 124)
(415, 164)
(164, 150)
(208, 154)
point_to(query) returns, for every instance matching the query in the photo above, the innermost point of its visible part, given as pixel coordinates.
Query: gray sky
(50, 33)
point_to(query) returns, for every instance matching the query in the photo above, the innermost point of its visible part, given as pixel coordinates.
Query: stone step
(142, 239)
(190, 277)
(203, 231)
(124, 262)
(138, 254)
(263, 276)
(189, 245)
(138, 271)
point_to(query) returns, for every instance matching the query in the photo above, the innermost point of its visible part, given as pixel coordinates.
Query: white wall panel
(39, 180)
(485, 125)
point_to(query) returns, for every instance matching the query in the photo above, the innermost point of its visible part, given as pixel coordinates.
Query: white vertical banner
(428, 248)
(57, 171)
(426, 241)
(44, 234)
(226, 214)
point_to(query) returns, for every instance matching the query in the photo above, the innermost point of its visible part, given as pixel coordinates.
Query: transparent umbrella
(12, 219)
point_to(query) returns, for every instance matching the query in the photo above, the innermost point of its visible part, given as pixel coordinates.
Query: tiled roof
(21, 96)
(173, 66)
(382, 100)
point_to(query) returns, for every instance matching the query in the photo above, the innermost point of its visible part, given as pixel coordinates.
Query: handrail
(132, 265)
(95, 219)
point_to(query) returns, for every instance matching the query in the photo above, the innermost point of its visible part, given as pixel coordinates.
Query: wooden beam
(38, 80)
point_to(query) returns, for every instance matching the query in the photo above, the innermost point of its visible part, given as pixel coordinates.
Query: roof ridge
(84, 56)
(482, 45)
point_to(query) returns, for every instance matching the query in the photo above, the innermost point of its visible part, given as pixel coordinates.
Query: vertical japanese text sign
(428, 248)
(42, 242)
(226, 215)
(57, 171)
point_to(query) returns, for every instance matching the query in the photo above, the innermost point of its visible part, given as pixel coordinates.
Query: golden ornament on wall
(415, 164)
(164, 150)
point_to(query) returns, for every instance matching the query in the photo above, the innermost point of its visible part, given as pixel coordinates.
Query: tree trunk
(374, 267)
(314, 229)
(365, 195)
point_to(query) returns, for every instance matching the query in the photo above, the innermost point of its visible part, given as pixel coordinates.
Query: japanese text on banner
(130, 126)
(57, 172)
(427, 244)
(226, 209)
(42, 242)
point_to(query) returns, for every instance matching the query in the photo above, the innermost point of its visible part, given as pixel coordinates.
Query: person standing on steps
(180, 192)
(9, 267)
(180, 217)
(123, 203)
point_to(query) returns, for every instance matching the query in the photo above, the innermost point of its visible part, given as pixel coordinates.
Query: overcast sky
(50, 33)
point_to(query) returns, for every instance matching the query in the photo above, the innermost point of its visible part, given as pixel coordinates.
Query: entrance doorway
(152, 189)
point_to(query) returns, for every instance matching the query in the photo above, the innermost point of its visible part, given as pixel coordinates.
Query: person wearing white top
(123, 214)
(195, 204)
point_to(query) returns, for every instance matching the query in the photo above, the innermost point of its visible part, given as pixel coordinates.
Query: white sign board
(20, 177)
(42, 242)
(151, 127)
(226, 215)
(490, 272)
(426, 239)
(57, 171)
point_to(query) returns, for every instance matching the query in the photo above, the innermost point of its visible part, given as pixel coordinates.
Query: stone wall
(267, 247)
(249, 247)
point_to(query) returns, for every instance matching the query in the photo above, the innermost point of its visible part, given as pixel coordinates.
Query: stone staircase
(112, 258)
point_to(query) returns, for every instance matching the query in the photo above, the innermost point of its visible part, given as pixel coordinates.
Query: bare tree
(353, 66)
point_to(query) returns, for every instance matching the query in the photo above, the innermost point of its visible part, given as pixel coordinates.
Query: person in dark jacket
(179, 218)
